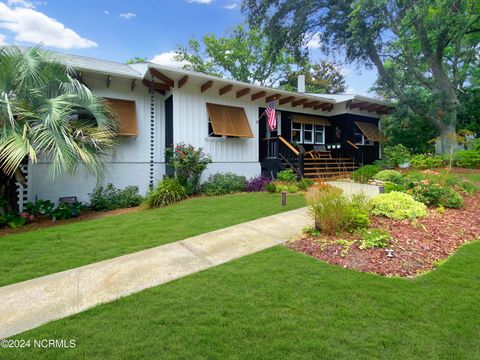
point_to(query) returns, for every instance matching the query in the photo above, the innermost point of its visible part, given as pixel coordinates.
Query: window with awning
(126, 114)
(311, 120)
(371, 131)
(228, 121)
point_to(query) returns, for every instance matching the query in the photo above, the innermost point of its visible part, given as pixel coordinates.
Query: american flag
(271, 117)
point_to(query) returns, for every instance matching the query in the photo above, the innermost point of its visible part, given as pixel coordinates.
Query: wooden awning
(371, 131)
(126, 114)
(229, 121)
(314, 120)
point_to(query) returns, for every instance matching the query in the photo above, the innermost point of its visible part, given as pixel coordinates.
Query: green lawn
(279, 304)
(31, 254)
(475, 177)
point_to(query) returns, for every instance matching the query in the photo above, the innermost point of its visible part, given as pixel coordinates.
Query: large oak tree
(424, 50)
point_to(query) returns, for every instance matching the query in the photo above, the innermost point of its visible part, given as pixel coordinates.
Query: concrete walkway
(350, 188)
(32, 303)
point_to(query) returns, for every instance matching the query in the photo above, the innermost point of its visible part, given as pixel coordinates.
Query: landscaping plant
(389, 175)
(167, 192)
(39, 208)
(434, 194)
(287, 176)
(397, 154)
(220, 184)
(396, 205)
(467, 159)
(373, 238)
(258, 183)
(108, 197)
(189, 164)
(365, 173)
(426, 161)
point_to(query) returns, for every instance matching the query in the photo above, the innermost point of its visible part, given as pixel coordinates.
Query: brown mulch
(417, 245)
(41, 223)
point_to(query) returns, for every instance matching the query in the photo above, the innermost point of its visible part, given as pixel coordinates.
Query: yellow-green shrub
(396, 205)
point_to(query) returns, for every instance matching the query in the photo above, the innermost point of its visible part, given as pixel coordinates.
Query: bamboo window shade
(371, 131)
(126, 115)
(300, 119)
(229, 121)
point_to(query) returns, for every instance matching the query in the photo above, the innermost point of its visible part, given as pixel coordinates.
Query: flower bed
(418, 245)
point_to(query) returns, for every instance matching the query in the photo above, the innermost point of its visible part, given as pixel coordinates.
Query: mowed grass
(279, 304)
(28, 255)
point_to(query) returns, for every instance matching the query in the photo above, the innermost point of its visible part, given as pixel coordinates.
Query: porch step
(328, 159)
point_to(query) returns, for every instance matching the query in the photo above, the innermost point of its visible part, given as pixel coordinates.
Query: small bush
(39, 208)
(67, 211)
(397, 154)
(424, 161)
(12, 220)
(334, 212)
(110, 198)
(258, 183)
(271, 187)
(397, 205)
(467, 187)
(167, 192)
(365, 173)
(389, 186)
(467, 159)
(389, 175)
(305, 184)
(220, 184)
(289, 188)
(287, 176)
(434, 194)
(373, 238)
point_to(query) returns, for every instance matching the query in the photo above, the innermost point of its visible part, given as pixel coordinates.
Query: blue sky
(121, 29)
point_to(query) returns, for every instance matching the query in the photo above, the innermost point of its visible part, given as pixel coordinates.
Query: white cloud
(231, 6)
(314, 42)
(2, 39)
(21, 3)
(106, 12)
(207, 2)
(128, 15)
(167, 59)
(35, 27)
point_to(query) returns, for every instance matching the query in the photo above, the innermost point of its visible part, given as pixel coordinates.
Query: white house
(158, 106)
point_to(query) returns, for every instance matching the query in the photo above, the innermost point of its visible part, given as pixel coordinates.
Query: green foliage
(244, 54)
(397, 154)
(389, 175)
(397, 205)
(167, 192)
(334, 212)
(66, 211)
(311, 230)
(305, 184)
(46, 110)
(12, 220)
(434, 194)
(271, 187)
(427, 161)
(373, 238)
(220, 184)
(365, 173)
(467, 159)
(39, 208)
(321, 78)
(389, 186)
(109, 197)
(287, 175)
(137, 60)
(286, 186)
(189, 164)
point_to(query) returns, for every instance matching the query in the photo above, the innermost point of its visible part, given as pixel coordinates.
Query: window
(307, 133)
(126, 115)
(360, 138)
(319, 134)
(297, 132)
(229, 121)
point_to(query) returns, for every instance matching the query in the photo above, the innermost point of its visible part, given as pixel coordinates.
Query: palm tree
(47, 112)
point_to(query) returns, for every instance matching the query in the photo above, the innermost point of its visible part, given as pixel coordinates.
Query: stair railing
(293, 157)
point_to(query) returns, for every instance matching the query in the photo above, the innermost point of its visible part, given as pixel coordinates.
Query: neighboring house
(158, 106)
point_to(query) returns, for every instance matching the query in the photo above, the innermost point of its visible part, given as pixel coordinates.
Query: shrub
(287, 175)
(228, 183)
(305, 184)
(397, 205)
(373, 238)
(434, 194)
(290, 188)
(467, 159)
(167, 192)
(110, 198)
(12, 220)
(66, 211)
(189, 164)
(467, 187)
(389, 186)
(39, 208)
(271, 187)
(334, 212)
(365, 173)
(424, 161)
(397, 154)
(389, 175)
(258, 183)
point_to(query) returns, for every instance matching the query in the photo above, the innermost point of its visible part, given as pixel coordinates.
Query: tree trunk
(447, 142)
